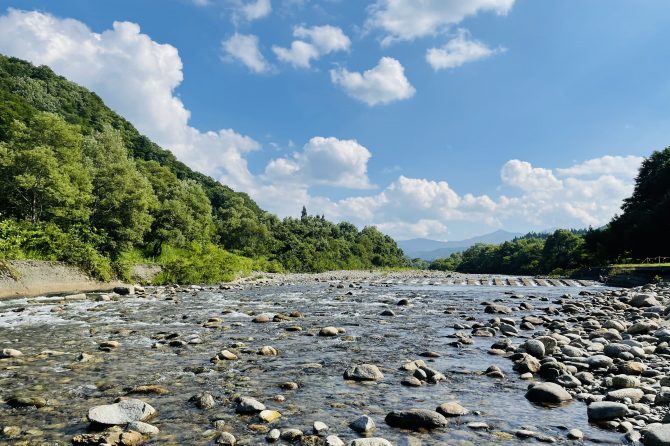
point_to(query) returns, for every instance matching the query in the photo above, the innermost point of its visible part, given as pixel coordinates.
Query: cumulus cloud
(313, 43)
(251, 10)
(410, 19)
(324, 161)
(134, 75)
(244, 48)
(383, 84)
(137, 77)
(627, 166)
(458, 51)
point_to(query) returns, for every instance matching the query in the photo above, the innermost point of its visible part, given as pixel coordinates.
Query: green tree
(42, 172)
(123, 198)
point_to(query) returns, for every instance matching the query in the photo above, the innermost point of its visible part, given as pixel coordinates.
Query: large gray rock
(9, 353)
(364, 372)
(634, 395)
(123, 412)
(363, 424)
(248, 405)
(548, 393)
(606, 411)
(535, 348)
(599, 361)
(657, 435)
(415, 419)
(644, 300)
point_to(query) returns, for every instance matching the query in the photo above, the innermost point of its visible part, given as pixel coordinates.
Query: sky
(442, 119)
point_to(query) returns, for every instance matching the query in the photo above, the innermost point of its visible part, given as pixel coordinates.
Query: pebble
(363, 372)
(121, 413)
(363, 424)
(416, 419)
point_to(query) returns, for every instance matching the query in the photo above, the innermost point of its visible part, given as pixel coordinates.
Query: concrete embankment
(25, 278)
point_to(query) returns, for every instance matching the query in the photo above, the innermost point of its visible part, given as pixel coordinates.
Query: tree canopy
(80, 184)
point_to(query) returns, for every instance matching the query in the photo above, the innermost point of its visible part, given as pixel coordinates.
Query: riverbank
(28, 278)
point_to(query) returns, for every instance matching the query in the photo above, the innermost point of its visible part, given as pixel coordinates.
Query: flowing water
(316, 363)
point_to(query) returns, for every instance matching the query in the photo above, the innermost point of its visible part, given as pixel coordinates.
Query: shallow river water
(316, 363)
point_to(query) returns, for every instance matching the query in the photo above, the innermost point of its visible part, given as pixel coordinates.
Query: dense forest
(642, 230)
(80, 184)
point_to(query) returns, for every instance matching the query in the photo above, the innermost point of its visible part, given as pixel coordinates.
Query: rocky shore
(339, 358)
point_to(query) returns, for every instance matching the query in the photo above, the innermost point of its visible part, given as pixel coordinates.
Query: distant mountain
(428, 249)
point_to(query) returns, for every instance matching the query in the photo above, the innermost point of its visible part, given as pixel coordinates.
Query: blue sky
(526, 115)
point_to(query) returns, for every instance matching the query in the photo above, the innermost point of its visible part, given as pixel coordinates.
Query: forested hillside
(80, 184)
(642, 230)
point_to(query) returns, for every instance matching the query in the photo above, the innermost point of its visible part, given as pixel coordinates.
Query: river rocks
(363, 372)
(142, 428)
(548, 393)
(123, 412)
(226, 439)
(261, 319)
(606, 410)
(124, 290)
(334, 440)
(411, 381)
(534, 348)
(622, 395)
(415, 419)
(291, 434)
(269, 416)
(644, 300)
(225, 355)
(151, 389)
(109, 345)
(248, 405)
(451, 409)
(575, 434)
(657, 435)
(320, 427)
(625, 382)
(363, 424)
(599, 361)
(497, 309)
(273, 435)
(203, 400)
(268, 351)
(26, 401)
(526, 363)
(6, 353)
(329, 331)
(370, 442)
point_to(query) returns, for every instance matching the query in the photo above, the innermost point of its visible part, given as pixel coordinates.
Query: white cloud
(252, 10)
(133, 74)
(458, 51)
(324, 161)
(314, 42)
(421, 228)
(607, 165)
(137, 77)
(523, 175)
(411, 19)
(244, 48)
(382, 84)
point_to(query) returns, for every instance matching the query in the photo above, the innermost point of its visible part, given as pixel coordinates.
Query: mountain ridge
(428, 249)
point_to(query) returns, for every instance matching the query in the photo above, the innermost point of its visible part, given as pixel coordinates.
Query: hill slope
(81, 184)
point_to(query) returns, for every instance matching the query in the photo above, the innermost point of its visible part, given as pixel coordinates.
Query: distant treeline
(80, 184)
(642, 230)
